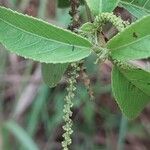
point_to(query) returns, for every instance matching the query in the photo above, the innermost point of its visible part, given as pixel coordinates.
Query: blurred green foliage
(66, 3)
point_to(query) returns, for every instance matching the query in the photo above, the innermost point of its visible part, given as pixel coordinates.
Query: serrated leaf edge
(131, 118)
(126, 3)
(38, 19)
(147, 16)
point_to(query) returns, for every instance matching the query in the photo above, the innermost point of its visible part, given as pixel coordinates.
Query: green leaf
(66, 3)
(63, 3)
(40, 41)
(88, 27)
(138, 8)
(133, 43)
(20, 135)
(99, 6)
(131, 88)
(52, 73)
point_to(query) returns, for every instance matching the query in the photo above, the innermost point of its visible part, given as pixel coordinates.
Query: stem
(122, 133)
(74, 4)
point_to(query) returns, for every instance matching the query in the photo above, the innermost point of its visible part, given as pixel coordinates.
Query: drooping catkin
(101, 19)
(73, 74)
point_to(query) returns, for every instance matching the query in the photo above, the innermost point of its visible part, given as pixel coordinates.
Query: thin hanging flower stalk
(73, 74)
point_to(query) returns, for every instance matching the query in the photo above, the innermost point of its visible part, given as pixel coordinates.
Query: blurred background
(31, 113)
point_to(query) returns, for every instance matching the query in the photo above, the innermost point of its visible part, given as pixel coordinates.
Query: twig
(74, 14)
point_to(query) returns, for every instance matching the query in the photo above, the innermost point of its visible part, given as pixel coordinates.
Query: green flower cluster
(103, 18)
(124, 65)
(73, 74)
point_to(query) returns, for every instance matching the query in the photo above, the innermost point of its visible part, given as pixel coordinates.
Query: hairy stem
(74, 4)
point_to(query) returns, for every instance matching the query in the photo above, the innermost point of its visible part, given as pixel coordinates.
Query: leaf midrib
(17, 28)
(135, 41)
(133, 83)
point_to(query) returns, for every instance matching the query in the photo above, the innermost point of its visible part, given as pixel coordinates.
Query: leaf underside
(35, 39)
(133, 43)
(131, 89)
(52, 73)
(138, 8)
(99, 6)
